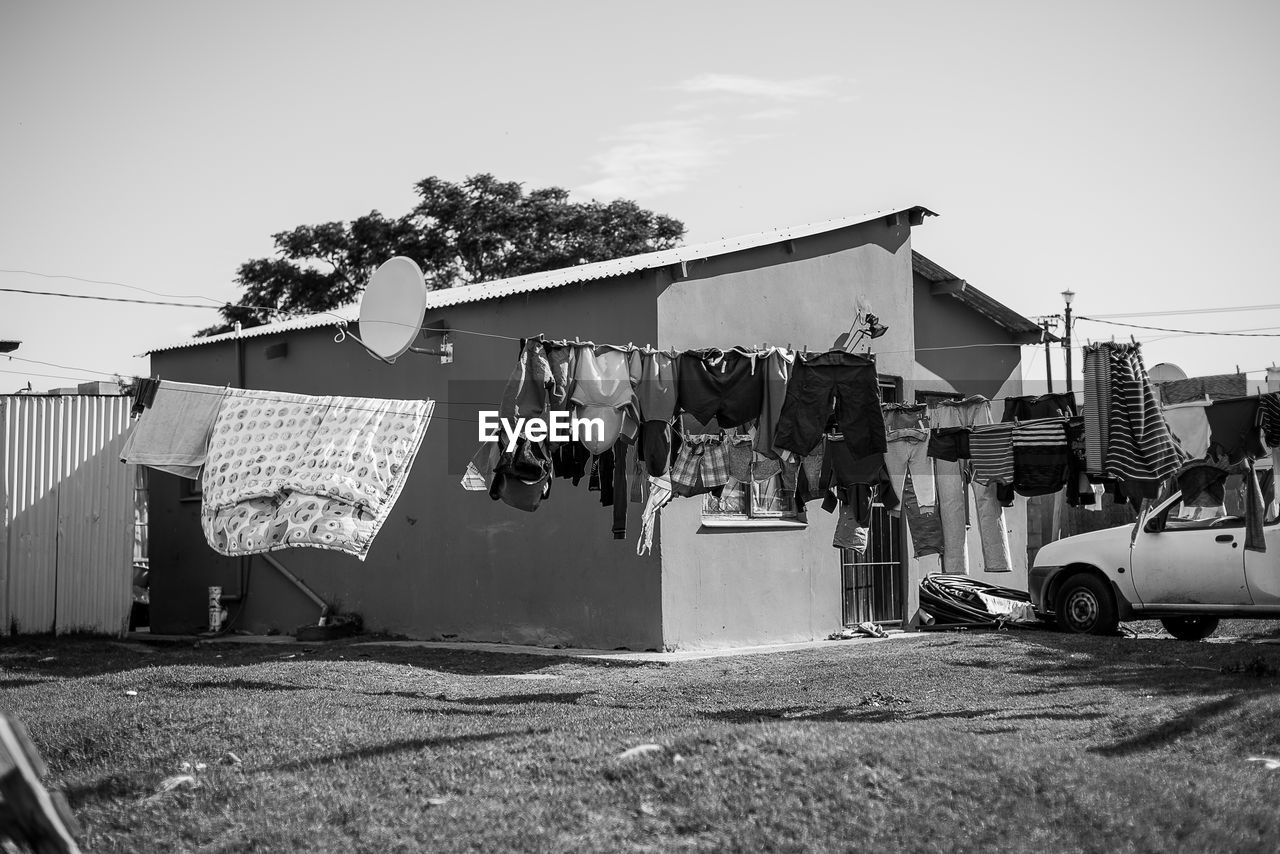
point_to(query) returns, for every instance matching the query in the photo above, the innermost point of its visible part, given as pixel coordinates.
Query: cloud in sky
(823, 86)
(770, 114)
(654, 158)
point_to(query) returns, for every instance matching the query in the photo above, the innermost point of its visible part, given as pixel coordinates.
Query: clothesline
(993, 400)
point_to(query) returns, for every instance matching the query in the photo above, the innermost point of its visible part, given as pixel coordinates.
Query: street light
(1067, 296)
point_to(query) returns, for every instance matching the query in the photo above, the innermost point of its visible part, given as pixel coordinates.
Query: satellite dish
(392, 308)
(1166, 372)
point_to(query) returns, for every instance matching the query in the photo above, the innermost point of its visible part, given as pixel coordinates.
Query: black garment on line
(654, 447)
(1079, 491)
(1041, 458)
(725, 385)
(949, 443)
(1030, 407)
(1235, 430)
(144, 394)
(848, 379)
(620, 493)
(571, 460)
(858, 482)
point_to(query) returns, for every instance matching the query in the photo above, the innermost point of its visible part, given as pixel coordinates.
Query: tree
(478, 230)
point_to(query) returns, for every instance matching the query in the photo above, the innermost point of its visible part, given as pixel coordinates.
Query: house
(453, 564)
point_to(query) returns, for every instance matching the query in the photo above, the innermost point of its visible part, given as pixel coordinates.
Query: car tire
(1086, 606)
(1190, 628)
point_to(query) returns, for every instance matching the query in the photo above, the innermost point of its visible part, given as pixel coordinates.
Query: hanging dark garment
(1235, 429)
(1030, 407)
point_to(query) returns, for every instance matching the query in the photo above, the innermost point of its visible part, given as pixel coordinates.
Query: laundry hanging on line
(699, 420)
(281, 470)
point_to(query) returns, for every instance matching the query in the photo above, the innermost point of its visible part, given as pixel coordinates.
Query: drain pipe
(300, 584)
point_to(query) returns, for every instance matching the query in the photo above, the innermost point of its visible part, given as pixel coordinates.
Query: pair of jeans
(952, 481)
(925, 528)
(907, 453)
(851, 381)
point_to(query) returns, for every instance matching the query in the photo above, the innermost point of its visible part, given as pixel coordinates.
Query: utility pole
(1067, 296)
(1048, 360)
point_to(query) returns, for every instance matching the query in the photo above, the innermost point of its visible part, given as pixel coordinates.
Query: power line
(1179, 311)
(1184, 331)
(51, 376)
(67, 367)
(117, 284)
(105, 299)
(338, 321)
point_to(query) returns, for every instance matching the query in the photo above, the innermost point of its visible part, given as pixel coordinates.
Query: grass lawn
(947, 742)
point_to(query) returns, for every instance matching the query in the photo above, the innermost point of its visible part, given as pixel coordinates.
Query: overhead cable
(1183, 331)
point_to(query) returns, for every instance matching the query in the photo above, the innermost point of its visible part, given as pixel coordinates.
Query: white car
(1175, 564)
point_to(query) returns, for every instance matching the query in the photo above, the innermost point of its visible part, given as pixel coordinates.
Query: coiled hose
(952, 601)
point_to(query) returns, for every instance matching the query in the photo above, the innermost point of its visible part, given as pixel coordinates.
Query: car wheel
(1086, 606)
(1190, 628)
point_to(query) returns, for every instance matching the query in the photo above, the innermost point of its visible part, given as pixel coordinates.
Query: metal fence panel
(65, 556)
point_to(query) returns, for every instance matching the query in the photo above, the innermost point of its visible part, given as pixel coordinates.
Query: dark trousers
(851, 381)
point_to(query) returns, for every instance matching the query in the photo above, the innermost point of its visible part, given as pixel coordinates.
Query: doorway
(875, 584)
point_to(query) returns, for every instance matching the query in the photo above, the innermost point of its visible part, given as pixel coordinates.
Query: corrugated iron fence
(67, 542)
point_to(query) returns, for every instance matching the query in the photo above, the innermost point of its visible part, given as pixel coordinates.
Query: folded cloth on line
(287, 470)
(173, 434)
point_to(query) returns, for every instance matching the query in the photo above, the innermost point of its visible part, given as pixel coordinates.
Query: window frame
(753, 517)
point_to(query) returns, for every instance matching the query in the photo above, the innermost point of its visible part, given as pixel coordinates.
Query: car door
(1197, 559)
(1262, 569)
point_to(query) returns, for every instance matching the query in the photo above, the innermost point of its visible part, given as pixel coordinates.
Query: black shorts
(723, 385)
(949, 443)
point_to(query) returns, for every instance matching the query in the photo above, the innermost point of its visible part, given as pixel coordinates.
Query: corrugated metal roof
(570, 275)
(969, 296)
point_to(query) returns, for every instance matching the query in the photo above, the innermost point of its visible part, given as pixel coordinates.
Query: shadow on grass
(23, 683)
(570, 698)
(75, 656)
(244, 684)
(864, 714)
(407, 745)
(462, 662)
(1183, 725)
(1156, 667)
(115, 787)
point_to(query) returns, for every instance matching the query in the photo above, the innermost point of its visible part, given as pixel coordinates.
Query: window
(1180, 517)
(929, 398)
(761, 501)
(890, 388)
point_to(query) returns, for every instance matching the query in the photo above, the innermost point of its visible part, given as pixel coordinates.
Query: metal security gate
(874, 586)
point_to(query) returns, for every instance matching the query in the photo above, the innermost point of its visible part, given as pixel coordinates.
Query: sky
(1125, 151)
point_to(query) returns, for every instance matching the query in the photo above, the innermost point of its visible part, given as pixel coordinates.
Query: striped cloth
(991, 453)
(1040, 456)
(1140, 446)
(1270, 406)
(1097, 406)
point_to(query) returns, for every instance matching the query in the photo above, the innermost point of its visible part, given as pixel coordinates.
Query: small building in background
(451, 564)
